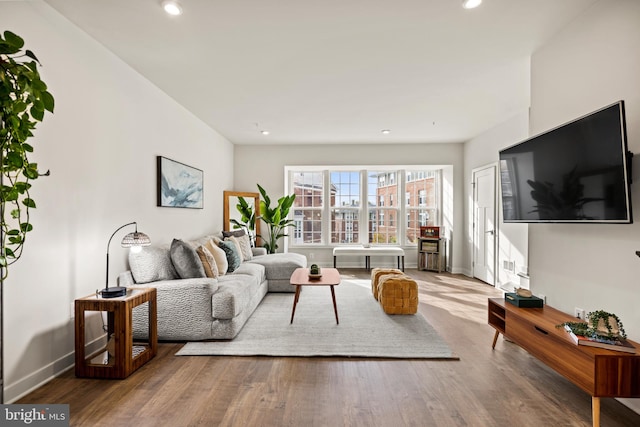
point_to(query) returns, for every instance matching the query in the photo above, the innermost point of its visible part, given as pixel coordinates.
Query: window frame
(401, 205)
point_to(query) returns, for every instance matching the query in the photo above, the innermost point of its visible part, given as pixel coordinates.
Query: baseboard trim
(33, 381)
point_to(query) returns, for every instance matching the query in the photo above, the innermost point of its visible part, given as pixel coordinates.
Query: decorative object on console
(522, 301)
(135, 241)
(430, 232)
(602, 329)
(179, 185)
(275, 218)
(522, 292)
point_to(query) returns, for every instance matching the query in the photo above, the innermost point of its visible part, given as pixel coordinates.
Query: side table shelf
(121, 356)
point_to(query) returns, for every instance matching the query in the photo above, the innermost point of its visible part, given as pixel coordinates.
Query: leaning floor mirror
(235, 204)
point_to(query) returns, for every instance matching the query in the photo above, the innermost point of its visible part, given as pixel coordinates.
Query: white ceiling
(333, 71)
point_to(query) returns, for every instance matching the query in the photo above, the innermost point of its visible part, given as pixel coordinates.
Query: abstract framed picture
(179, 185)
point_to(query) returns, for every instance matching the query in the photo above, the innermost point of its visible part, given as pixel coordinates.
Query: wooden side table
(122, 355)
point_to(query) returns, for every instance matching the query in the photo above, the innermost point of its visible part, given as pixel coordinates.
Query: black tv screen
(577, 172)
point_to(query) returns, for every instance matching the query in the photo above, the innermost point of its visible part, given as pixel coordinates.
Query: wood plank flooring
(501, 387)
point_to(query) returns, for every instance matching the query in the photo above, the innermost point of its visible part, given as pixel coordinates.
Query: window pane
(345, 189)
(308, 226)
(307, 214)
(307, 186)
(382, 190)
(421, 198)
(345, 225)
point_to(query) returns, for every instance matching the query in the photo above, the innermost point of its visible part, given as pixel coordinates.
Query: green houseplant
(23, 101)
(275, 218)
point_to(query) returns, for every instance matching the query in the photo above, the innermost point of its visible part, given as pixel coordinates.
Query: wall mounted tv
(579, 172)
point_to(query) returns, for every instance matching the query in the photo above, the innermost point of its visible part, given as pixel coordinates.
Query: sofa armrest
(259, 251)
(183, 308)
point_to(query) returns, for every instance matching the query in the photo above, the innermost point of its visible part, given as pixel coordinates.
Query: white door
(484, 224)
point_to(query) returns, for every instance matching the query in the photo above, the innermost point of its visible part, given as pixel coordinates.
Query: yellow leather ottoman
(398, 294)
(376, 273)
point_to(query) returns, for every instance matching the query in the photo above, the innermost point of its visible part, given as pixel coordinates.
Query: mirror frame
(227, 212)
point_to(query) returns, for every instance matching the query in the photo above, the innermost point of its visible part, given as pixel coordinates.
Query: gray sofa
(202, 308)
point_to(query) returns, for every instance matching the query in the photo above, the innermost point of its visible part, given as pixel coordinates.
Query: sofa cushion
(219, 256)
(208, 262)
(243, 246)
(151, 264)
(186, 261)
(280, 265)
(234, 233)
(232, 253)
(233, 295)
(256, 271)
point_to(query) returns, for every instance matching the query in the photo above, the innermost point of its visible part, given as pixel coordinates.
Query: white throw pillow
(219, 256)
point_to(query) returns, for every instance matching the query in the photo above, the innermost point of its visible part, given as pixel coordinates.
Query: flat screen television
(579, 172)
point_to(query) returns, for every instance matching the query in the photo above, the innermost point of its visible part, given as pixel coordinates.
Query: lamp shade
(135, 239)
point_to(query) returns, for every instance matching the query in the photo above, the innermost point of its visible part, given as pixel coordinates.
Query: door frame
(496, 218)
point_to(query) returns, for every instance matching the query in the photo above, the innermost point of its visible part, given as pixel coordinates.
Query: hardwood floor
(501, 387)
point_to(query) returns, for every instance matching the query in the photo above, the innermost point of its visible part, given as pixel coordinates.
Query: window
(353, 205)
(345, 206)
(307, 207)
(386, 233)
(423, 201)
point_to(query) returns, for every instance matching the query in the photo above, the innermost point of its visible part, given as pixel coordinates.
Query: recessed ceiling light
(470, 4)
(385, 131)
(264, 132)
(172, 8)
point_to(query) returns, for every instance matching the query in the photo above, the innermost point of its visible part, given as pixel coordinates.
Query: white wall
(101, 146)
(479, 152)
(595, 61)
(268, 171)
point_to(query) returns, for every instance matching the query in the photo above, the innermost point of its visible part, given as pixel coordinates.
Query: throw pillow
(219, 256)
(151, 264)
(235, 233)
(245, 247)
(186, 261)
(233, 255)
(208, 262)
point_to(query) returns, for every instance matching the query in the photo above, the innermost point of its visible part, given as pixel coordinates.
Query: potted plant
(275, 218)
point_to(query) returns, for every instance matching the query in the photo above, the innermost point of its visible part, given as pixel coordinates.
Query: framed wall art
(179, 185)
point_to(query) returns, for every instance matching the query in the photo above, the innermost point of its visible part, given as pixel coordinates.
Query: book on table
(619, 344)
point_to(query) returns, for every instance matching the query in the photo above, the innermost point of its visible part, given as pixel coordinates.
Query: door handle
(489, 231)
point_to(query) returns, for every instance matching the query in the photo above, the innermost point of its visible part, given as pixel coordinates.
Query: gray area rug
(364, 329)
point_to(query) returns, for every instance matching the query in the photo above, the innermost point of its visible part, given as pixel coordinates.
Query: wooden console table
(599, 372)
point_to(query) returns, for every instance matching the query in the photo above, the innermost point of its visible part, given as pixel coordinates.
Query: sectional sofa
(193, 302)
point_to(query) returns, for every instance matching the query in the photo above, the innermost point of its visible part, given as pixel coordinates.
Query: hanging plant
(23, 101)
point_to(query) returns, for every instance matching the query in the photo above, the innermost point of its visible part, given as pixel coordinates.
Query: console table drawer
(576, 366)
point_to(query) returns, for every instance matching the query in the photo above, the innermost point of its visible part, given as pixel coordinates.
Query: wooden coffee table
(300, 277)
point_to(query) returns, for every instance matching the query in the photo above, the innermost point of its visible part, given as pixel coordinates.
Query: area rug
(364, 329)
